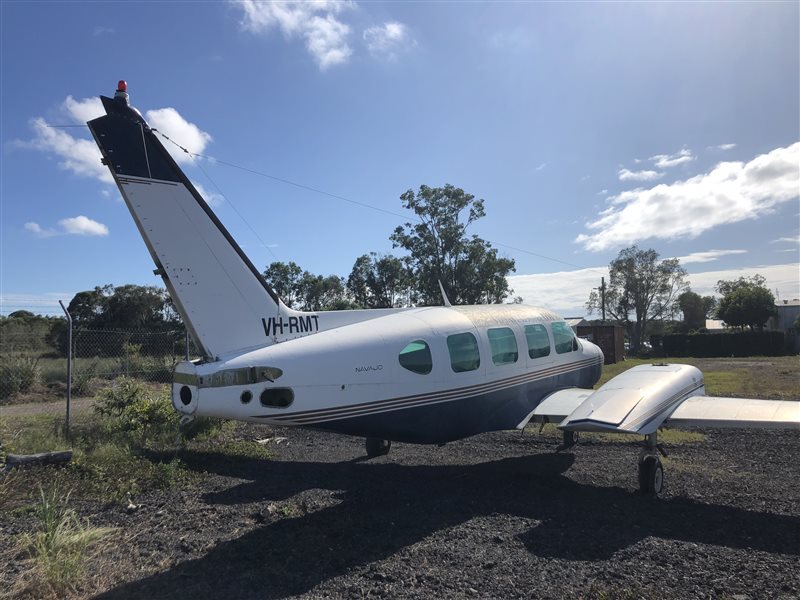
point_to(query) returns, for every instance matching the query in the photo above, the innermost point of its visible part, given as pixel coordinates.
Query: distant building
(787, 310)
(715, 325)
(576, 322)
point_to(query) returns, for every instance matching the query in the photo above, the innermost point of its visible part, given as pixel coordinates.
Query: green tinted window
(564, 337)
(504, 346)
(416, 357)
(464, 354)
(538, 341)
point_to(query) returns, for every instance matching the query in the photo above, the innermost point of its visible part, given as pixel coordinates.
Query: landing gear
(377, 447)
(569, 440)
(651, 472)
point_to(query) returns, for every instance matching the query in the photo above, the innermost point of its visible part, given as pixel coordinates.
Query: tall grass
(60, 547)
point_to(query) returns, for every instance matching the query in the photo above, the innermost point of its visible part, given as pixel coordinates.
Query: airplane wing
(557, 406)
(711, 411)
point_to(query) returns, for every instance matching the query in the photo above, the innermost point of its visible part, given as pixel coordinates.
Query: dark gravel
(495, 516)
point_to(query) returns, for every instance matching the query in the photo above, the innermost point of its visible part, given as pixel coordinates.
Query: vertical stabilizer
(221, 296)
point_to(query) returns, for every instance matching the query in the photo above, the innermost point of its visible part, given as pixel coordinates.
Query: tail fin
(218, 292)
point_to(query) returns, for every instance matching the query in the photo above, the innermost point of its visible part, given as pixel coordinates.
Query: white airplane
(421, 375)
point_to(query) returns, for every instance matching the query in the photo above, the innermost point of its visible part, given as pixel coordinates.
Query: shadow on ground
(386, 507)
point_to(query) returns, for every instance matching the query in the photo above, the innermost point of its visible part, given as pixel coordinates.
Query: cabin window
(504, 346)
(464, 354)
(538, 341)
(564, 337)
(277, 397)
(416, 357)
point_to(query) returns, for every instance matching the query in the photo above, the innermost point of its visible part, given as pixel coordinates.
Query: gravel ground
(494, 516)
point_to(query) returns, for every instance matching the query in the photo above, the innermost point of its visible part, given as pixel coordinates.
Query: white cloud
(708, 256)
(316, 22)
(786, 240)
(102, 30)
(730, 192)
(722, 147)
(169, 122)
(566, 292)
(627, 175)
(665, 161)
(37, 230)
(79, 225)
(82, 225)
(84, 110)
(541, 166)
(388, 40)
(212, 198)
(82, 156)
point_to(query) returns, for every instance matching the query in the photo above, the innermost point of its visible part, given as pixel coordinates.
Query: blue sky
(585, 127)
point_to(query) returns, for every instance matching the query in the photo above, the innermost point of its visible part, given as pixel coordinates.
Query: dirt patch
(494, 516)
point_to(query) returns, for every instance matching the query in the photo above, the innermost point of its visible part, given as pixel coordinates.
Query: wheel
(651, 475)
(570, 438)
(376, 447)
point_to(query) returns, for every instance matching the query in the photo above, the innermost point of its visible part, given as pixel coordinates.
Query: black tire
(376, 447)
(651, 476)
(570, 438)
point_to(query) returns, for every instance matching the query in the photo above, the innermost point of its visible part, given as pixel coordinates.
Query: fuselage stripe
(306, 417)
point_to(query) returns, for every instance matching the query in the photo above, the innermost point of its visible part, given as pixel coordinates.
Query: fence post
(69, 362)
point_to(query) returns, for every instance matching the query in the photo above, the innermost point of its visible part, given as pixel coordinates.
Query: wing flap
(713, 411)
(557, 406)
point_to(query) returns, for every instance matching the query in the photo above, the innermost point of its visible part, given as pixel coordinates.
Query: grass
(59, 548)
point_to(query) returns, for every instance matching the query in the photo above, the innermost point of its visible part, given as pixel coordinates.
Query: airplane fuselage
(423, 375)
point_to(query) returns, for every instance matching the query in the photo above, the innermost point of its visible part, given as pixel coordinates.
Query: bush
(82, 380)
(18, 375)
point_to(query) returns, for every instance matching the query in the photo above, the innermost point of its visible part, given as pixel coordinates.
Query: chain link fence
(34, 365)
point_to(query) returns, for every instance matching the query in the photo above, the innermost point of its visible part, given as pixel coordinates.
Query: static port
(186, 395)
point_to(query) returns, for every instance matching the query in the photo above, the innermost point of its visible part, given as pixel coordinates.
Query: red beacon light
(122, 92)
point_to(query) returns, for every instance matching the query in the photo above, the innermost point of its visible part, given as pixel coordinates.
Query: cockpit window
(464, 354)
(416, 357)
(504, 346)
(564, 337)
(538, 341)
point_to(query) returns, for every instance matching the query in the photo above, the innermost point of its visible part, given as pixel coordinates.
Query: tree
(440, 249)
(696, 309)
(379, 281)
(284, 279)
(302, 290)
(745, 302)
(641, 288)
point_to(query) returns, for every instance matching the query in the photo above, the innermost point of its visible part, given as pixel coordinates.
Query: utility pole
(603, 297)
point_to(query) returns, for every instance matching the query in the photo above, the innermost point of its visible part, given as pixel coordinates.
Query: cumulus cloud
(627, 175)
(566, 292)
(172, 124)
(730, 192)
(80, 225)
(81, 155)
(707, 256)
(326, 37)
(388, 40)
(665, 161)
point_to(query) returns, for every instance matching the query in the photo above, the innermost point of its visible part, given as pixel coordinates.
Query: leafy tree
(440, 249)
(641, 288)
(284, 279)
(745, 302)
(696, 309)
(302, 290)
(379, 281)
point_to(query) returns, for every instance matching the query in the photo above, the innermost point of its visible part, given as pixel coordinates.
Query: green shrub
(82, 380)
(18, 374)
(136, 410)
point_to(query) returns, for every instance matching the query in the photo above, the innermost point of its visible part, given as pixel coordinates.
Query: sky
(585, 127)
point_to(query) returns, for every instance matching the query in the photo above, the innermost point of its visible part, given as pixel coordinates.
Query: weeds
(59, 548)
(18, 374)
